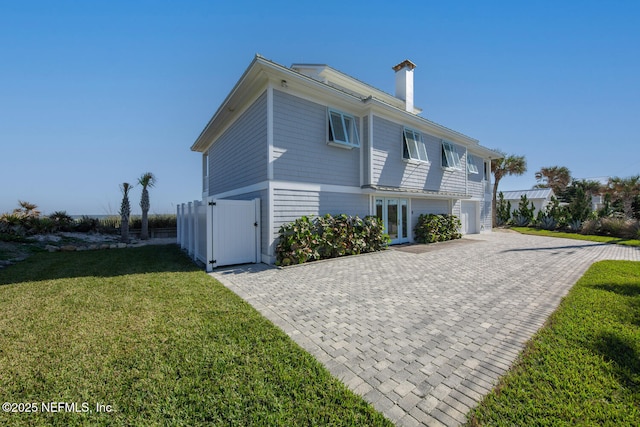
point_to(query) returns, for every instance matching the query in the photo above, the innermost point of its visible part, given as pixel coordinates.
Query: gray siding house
(310, 140)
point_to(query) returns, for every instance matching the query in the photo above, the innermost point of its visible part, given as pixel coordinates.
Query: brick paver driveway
(422, 332)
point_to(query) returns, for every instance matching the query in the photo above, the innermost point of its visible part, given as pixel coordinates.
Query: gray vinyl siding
(239, 157)
(366, 160)
(475, 181)
(301, 152)
(288, 205)
(391, 170)
(453, 180)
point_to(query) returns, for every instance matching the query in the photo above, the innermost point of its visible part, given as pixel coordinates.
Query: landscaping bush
(547, 222)
(155, 221)
(437, 228)
(525, 213)
(617, 227)
(307, 239)
(62, 221)
(503, 210)
(591, 227)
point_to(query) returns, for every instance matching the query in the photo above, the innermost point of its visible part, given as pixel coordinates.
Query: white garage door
(469, 217)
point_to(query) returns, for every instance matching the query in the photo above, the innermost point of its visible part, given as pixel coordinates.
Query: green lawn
(583, 367)
(145, 331)
(576, 236)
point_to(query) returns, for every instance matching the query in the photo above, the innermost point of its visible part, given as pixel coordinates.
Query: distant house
(311, 140)
(540, 197)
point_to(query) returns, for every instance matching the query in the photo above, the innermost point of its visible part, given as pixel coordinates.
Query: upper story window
(343, 129)
(413, 147)
(472, 166)
(205, 171)
(450, 157)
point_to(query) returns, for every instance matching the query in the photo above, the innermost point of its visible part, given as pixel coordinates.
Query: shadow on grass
(99, 263)
(556, 248)
(625, 360)
(628, 290)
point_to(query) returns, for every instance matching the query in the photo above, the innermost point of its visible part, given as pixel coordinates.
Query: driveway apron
(422, 332)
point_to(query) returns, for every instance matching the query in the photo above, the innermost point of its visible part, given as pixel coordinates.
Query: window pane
(450, 156)
(411, 144)
(352, 131)
(379, 209)
(392, 219)
(422, 149)
(405, 220)
(348, 127)
(337, 127)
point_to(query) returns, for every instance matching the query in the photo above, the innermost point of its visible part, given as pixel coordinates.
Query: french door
(395, 216)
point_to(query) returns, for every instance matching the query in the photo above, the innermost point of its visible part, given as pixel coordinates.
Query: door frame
(402, 223)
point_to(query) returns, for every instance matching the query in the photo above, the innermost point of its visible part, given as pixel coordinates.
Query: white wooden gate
(234, 232)
(220, 232)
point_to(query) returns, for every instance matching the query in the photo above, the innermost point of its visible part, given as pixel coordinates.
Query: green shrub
(503, 210)
(307, 239)
(437, 228)
(155, 221)
(87, 224)
(617, 227)
(547, 222)
(12, 224)
(590, 227)
(62, 221)
(525, 213)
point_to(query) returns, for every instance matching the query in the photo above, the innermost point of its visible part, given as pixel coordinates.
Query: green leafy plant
(309, 239)
(524, 215)
(575, 225)
(432, 228)
(62, 221)
(503, 210)
(547, 223)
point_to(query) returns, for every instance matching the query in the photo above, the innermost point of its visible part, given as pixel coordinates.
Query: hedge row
(437, 228)
(309, 239)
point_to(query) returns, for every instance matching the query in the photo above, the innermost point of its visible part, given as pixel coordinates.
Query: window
(450, 157)
(472, 167)
(343, 129)
(205, 172)
(414, 147)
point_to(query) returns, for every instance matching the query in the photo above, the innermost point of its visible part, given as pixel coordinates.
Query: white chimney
(404, 83)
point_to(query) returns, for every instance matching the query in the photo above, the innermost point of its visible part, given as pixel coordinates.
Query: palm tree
(27, 210)
(147, 180)
(506, 165)
(555, 177)
(125, 212)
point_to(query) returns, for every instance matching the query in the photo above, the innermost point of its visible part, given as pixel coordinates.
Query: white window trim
(349, 142)
(472, 167)
(453, 154)
(418, 144)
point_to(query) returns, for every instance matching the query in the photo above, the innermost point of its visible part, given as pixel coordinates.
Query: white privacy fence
(192, 229)
(220, 232)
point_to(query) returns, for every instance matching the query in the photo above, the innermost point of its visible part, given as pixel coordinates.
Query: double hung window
(343, 129)
(450, 157)
(413, 146)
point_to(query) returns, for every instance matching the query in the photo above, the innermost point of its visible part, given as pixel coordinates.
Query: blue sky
(96, 93)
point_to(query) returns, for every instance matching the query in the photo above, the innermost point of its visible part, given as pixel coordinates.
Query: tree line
(621, 196)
